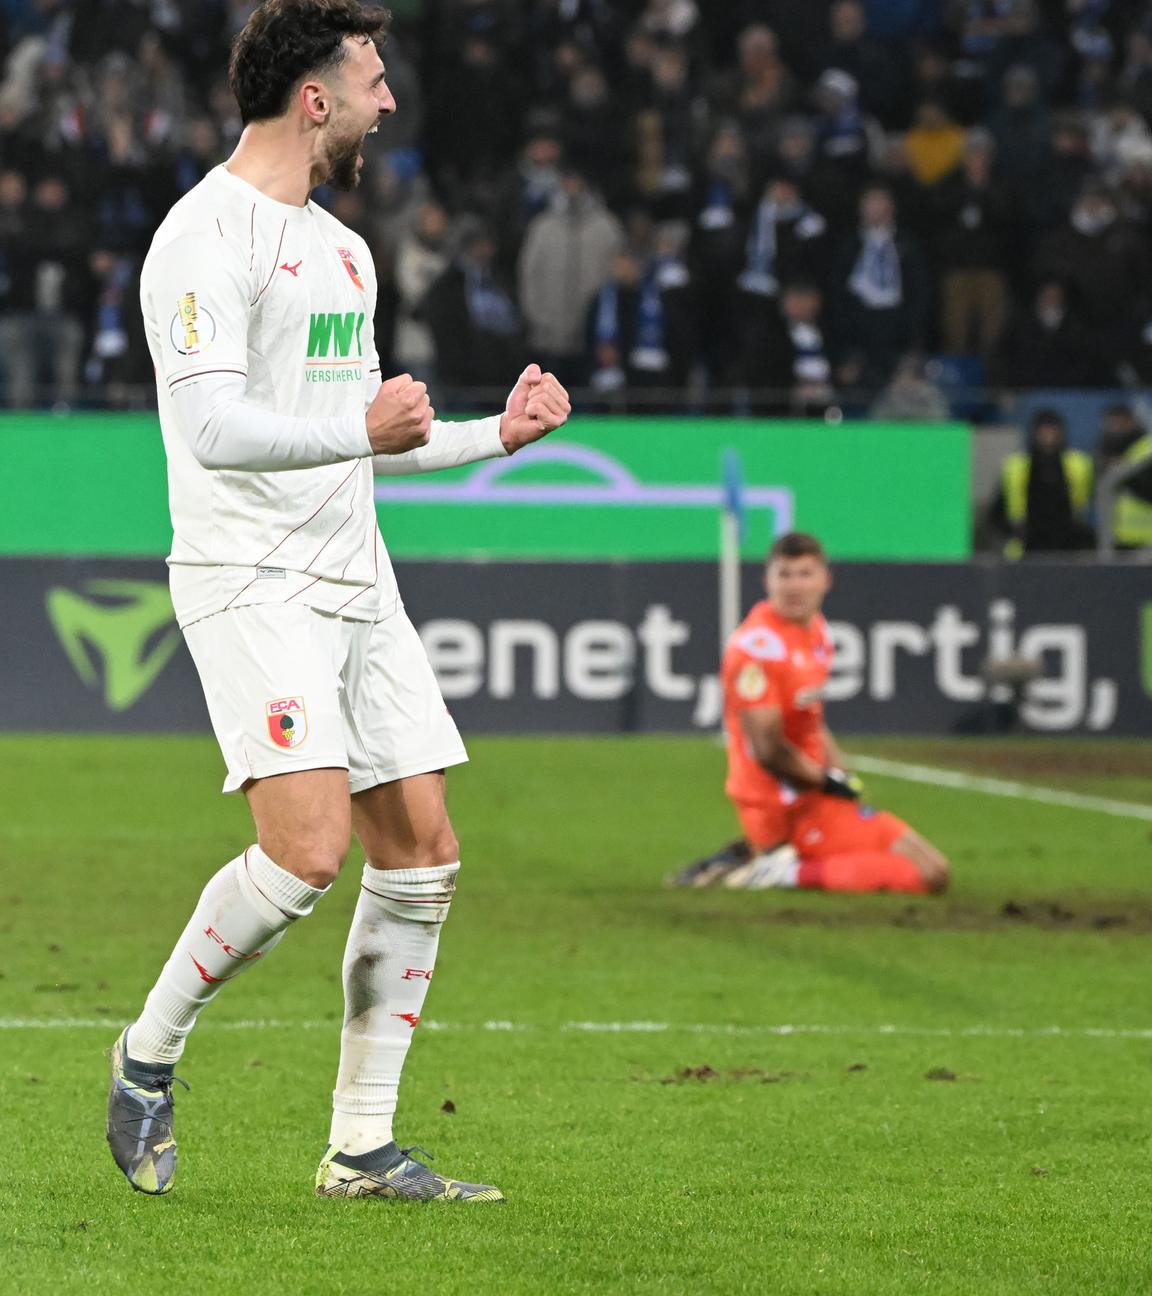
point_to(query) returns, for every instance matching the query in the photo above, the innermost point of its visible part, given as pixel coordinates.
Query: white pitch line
(642, 1028)
(999, 787)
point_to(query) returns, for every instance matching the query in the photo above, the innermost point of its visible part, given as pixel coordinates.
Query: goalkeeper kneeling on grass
(803, 819)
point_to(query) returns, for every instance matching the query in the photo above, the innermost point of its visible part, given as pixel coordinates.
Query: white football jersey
(240, 288)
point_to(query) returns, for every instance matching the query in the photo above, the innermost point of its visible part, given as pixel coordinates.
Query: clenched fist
(400, 416)
(536, 406)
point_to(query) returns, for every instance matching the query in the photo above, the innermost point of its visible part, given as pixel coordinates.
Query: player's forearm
(450, 445)
(226, 431)
(832, 752)
(791, 765)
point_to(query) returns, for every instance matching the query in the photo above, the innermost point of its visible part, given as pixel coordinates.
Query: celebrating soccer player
(258, 307)
(803, 820)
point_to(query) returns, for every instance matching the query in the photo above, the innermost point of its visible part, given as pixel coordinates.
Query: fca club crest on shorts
(350, 265)
(287, 721)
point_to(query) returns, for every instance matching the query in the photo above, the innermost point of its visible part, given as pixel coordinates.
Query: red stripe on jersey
(291, 533)
(275, 261)
(203, 373)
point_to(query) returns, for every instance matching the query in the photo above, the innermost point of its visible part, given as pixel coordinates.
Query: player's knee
(438, 848)
(444, 849)
(316, 861)
(433, 850)
(937, 873)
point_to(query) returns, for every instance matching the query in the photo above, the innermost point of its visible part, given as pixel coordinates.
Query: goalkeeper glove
(839, 783)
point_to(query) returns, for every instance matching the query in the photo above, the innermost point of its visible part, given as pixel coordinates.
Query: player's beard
(343, 172)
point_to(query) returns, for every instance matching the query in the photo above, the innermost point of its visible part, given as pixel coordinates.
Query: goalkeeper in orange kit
(804, 824)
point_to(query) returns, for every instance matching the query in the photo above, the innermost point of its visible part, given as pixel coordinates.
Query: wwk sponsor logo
(335, 347)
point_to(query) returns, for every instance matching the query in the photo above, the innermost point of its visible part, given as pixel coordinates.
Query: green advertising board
(639, 488)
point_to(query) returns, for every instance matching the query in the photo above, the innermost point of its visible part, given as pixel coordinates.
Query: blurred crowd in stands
(785, 206)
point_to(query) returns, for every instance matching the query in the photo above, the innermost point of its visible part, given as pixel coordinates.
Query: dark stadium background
(908, 213)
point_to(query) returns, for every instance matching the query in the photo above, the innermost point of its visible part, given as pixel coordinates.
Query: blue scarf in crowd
(876, 279)
(649, 351)
(810, 362)
(717, 212)
(842, 136)
(489, 307)
(759, 273)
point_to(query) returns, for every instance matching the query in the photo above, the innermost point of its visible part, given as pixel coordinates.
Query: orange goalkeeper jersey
(771, 662)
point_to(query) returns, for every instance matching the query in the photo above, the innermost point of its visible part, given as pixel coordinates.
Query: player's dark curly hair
(285, 40)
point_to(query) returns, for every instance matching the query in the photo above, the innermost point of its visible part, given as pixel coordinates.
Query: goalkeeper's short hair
(797, 544)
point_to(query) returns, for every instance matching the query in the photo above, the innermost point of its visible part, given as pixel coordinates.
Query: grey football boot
(712, 869)
(140, 1120)
(390, 1171)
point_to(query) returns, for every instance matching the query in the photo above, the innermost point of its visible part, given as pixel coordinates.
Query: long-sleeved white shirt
(259, 320)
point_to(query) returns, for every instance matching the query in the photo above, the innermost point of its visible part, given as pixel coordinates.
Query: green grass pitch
(699, 1152)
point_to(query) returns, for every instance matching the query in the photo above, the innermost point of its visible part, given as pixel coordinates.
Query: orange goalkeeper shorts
(818, 825)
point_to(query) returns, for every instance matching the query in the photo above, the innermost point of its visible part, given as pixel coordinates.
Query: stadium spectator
(49, 294)
(935, 144)
(911, 396)
(1124, 442)
(1048, 345)
(529, 188)
(463, 146)
(593, 143)
(1119, 431)
(473, 315)
(1101, 257)
(118, 357)
(936, 76)
(421, 258)
(882, 293)
(640, 325)
(1045, 492)
(993, 32)
(878, 67)
(566, 259)
(758, 92)
(717, 247)
(1020, 127)
(786, 240)
(666, 135)
(803, 821)
(197, 152)
(792, 374)
(846, 147)
(1067, 170)
(971, 250)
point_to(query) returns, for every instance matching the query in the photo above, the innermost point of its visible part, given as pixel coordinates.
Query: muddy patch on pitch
(1014, 913)
(710, 1075)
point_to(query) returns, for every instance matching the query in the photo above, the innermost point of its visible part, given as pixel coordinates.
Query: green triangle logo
(112, 635)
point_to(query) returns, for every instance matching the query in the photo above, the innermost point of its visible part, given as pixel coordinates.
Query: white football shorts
(294, 688)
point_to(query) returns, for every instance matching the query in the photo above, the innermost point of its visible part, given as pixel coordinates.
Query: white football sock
(387, 967)
(243, 912)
